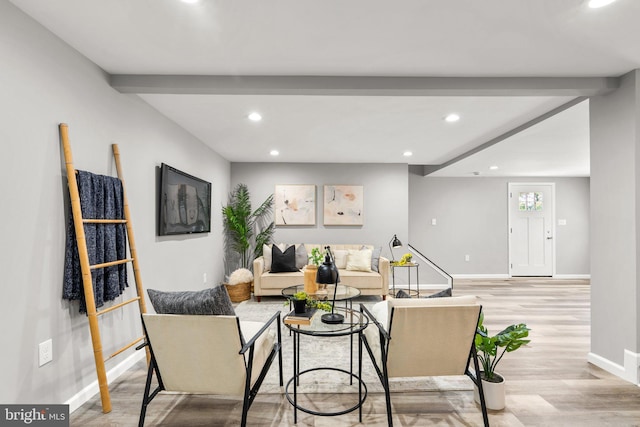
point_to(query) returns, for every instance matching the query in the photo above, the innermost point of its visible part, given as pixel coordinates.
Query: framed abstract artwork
(343, 205)
(295, 205)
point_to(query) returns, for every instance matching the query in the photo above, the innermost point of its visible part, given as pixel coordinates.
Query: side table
(408, 266)
(355, 322)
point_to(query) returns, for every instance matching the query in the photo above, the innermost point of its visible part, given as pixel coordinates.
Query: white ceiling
(471, 40)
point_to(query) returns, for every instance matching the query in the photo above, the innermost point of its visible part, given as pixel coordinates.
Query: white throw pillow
(340, 257)
(359, 260)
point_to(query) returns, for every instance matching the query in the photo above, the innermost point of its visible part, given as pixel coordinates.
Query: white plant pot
(493, 394)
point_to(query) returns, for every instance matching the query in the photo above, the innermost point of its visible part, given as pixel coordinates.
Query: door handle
(550, 237)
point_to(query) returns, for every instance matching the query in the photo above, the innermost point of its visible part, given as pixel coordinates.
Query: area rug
(333, 352)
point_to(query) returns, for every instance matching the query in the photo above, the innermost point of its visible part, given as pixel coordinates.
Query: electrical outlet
(204, 277)
(466, 257)
(45, 352)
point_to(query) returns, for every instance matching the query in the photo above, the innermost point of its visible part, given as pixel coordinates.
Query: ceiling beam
(363, 86)
(425, 170)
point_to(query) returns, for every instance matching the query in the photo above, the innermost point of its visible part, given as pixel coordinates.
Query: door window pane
(531, 201)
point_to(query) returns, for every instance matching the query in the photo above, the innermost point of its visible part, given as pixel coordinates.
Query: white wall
(385, 199)
(472, 216)
(615, 163)
(44, 82)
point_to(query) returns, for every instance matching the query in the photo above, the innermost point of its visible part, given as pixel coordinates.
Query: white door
(531, 229)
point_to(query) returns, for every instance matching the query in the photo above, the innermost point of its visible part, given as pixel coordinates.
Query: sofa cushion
(210, 301)
(340, 258)
(266, 254)
(375, 258)
(281, 280)
(359, 260)
(282, 262)
(361, 279)
(302, 258)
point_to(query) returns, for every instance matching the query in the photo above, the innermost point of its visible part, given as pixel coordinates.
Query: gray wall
(615, 138)
(472, 216)
(44, 82)
(385, 199)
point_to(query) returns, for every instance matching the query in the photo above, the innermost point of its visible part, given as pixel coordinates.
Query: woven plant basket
(240, 292)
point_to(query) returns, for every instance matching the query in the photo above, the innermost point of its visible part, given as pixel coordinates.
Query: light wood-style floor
(550, 382)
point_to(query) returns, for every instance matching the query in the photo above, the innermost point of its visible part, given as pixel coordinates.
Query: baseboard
(92, 389)
(480, 276)
(431, 286)
(572, 276)
(628, 372)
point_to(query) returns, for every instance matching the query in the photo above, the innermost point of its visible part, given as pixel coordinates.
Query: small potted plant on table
(489, 355)
(301, 301)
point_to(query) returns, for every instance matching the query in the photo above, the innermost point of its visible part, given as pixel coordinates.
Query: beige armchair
(423, 337)
(218, 355)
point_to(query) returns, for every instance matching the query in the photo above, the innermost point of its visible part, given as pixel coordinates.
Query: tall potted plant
(490, 351)
(245, 230)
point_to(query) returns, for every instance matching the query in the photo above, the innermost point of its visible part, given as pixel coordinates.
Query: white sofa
(369, 282)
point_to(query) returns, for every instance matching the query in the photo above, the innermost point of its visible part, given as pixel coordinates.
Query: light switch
(433, 221)
(562, 222)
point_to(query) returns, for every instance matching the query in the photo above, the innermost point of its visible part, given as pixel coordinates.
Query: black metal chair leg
(387, 395)
(145, 398)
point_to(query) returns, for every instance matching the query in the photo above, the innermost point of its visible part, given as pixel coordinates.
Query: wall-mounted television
(185, 203)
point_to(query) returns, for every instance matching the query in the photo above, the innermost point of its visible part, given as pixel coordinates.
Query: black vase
(299, 305)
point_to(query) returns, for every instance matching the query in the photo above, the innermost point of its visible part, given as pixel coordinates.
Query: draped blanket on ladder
(101, 197)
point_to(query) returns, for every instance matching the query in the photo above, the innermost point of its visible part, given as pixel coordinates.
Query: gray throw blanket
(101, 197)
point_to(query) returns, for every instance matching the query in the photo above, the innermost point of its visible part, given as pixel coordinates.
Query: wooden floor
(550, 382)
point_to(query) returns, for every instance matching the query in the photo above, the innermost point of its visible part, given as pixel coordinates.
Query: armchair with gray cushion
(423, 338)
(203, 352)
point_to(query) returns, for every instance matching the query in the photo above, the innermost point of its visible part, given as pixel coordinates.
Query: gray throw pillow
(302, 258)
(375, 258)
(441, 294)
(212, 301)
(402, 294)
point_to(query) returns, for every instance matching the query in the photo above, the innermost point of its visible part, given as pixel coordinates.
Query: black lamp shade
(328, 274)
(394, 243)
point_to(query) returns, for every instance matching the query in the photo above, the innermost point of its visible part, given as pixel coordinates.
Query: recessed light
(407, 154)
(274, 152)
(493, 168)
(453, 117)
(595, 4)
(255, 117)
(190, 1)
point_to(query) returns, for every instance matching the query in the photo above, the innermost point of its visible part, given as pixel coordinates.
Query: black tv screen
(185, 203)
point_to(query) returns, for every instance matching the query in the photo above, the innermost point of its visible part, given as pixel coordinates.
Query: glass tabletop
(343, 293)
(354, 322)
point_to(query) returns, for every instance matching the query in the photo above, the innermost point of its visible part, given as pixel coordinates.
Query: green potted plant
(316, 257)
(301, 301)
(245, 230)
(490, 351)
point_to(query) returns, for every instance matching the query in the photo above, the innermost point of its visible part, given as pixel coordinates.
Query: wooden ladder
(86, 268)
